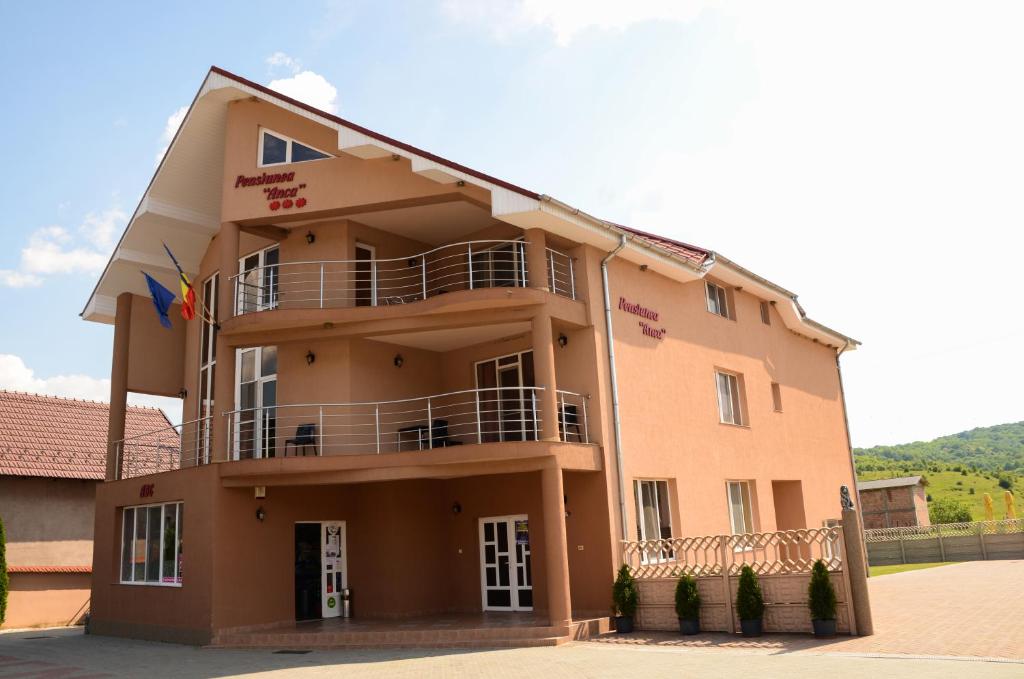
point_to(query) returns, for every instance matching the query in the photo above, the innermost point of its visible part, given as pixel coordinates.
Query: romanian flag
(188, 293)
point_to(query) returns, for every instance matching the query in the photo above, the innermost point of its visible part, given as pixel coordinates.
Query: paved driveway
(971, 609)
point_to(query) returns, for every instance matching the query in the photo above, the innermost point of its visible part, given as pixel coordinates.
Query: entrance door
(506, 404)
(256, 395)
(335, 574)
(506, 577)
(320, 569)
(258, 281)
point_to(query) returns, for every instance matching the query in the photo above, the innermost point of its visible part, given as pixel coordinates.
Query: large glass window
(277, 149)
(255, 424)
(207, 368)
(741, 513)
(653, 518)
(258, 281)
(151, 544)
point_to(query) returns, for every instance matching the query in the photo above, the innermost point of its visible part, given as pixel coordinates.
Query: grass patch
(903, 567)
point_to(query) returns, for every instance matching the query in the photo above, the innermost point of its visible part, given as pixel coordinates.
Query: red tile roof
(693, 253)
(49, 569)
(62, 437)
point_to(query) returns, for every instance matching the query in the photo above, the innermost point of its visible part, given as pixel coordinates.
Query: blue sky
(866, 157)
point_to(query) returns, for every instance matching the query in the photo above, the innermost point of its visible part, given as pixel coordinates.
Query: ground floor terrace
(212, 553)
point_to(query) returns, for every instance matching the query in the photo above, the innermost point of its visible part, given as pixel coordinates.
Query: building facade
(434, 388)
(52, 455)
(894, 503)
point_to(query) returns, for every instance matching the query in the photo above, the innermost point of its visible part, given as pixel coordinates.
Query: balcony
(449, 268)
(421, 425)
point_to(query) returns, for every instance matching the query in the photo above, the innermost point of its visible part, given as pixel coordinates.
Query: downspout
(616, 419)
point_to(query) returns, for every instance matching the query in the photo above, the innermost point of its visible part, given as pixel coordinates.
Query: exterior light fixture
(395, 156)
(310, 357)
(310, 237)
(460, 183)
(183, 393)
(399, 360)
(260, 514)
(456, 508)
(562, 340)
(643, 267)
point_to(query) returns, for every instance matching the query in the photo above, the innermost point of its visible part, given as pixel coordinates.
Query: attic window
(277, 149)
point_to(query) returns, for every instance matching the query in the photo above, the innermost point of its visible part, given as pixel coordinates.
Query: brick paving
(970, 609)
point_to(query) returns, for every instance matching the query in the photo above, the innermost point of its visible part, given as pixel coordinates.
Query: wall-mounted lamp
(643, 267)
(310, 237)
(310, 357)
(183, 393)
(395, 156)
(260, 514)
(460, 183)
(456, 508)
(562, 340)
(399, 360)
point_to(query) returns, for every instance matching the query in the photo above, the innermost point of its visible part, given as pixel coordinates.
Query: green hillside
(962, 466)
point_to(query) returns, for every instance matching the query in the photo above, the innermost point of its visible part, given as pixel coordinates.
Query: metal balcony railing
(468, 265)
(466, 417)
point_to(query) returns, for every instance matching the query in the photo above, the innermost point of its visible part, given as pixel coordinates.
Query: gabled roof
(192, 168)
(889, 483)
(62, 437)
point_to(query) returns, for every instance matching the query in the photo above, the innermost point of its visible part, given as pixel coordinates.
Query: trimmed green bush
(948, 510)
(4, 581)
(687, 598)
(749, 600)
(625, 597)
(821, 595)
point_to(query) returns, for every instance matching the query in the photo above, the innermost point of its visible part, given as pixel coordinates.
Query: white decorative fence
(782, 561)
(969, 541)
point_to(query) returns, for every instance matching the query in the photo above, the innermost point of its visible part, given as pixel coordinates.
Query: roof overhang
(181, 206)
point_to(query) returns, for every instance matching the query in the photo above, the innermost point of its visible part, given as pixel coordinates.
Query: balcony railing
(468, 265)
(466, 417)
(456, 418)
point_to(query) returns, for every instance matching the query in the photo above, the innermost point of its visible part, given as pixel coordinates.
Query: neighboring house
(891, 503)
(408, 389)
(52, 454)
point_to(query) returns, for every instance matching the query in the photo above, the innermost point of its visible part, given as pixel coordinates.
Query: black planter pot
(689, 626)
(623, 624)
(750, 628)
(824, 629)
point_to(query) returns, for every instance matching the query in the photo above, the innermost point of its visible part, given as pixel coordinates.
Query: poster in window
(522, 532)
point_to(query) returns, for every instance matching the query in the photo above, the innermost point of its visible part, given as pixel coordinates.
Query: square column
(556, 556)
(544, 376)
(118, 385)
(224, 380)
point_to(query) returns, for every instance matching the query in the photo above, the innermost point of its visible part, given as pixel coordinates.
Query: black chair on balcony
(569, 422)
(305, 436)
(439, 435)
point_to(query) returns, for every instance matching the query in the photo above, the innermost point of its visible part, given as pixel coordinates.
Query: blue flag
(162, 298)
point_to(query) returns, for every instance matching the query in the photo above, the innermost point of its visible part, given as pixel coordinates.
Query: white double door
(506, 577)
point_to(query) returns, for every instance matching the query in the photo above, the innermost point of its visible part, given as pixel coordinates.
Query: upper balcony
(268, 284)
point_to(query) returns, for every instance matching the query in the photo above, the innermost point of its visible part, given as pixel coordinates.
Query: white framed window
(277, 149)
(653, 517)
(258, 281)
(776, 397)
(255, 423)
(730, 402)
(741, 510)
(718, 300)
(207, 368)
(151, 540)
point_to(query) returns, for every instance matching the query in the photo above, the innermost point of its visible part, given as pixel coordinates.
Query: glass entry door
(258, 281)
(335, 575)
(506, 399)
(506, 577)
(255, 433)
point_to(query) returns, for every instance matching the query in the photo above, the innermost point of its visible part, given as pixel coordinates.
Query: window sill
(733, 425)
(724, 318)
(150, 584)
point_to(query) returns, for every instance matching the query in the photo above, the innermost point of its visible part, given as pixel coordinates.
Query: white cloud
(174, 121)
(310, 88)
(54, 250)
(567, 19)
(283, 60)
(16, 376)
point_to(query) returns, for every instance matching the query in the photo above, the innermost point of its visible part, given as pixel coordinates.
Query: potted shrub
(625, 599)
(688, 604)
(749, 603)
(821, 599)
